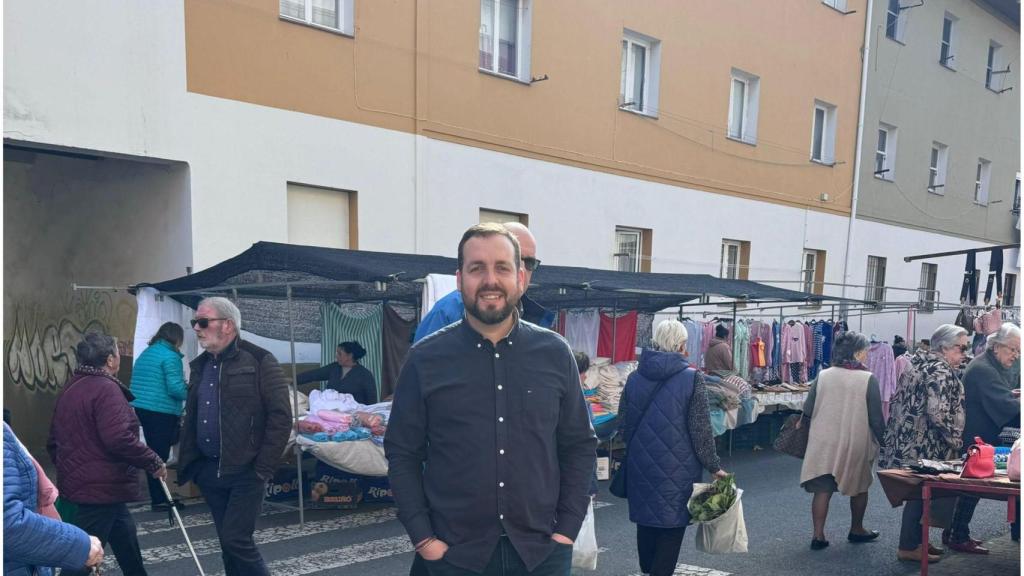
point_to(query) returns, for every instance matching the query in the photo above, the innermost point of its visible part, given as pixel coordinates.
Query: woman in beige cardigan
(845, 409)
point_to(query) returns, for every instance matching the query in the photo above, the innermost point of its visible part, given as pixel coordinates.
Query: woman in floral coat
(926, 420)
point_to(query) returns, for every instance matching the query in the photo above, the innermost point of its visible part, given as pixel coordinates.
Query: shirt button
(499, 386)
(207, 402)
(207, 439)
(500, 419)
(502, 451)
(496, 355)
(211, 384)
(478, 345)
(501, 516)
(501, 484)
(204, 421)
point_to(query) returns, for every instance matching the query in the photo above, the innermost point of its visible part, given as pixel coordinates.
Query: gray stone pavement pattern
(371, 541)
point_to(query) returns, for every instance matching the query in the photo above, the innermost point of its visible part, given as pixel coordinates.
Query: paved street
(371, 541)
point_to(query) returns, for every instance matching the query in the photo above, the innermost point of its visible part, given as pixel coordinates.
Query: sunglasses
(965, 348)
(203, 323)
(531, 263)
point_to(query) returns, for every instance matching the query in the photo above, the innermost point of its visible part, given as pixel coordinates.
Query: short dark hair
(847, 345)
(169, 331)
(354, 348)
(95, 348)
(489, 229)
(582, 361)
(721, 331)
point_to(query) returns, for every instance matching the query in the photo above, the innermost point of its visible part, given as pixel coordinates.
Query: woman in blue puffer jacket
(669, 446)
(158, 384)
(33, 543)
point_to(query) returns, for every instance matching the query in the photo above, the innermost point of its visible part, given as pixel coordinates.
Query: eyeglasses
(203, 323)
(531, 263)
(965, 348)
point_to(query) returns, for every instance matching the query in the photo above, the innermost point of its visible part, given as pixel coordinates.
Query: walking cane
(177, 516)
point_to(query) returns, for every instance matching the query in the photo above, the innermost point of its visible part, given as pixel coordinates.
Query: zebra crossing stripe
(688, 570)
(339, 557)
(191, 521)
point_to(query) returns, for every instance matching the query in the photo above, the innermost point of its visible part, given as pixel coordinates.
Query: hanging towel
(396, 335)
(882, 364)
(624, 339)
(582, 328)
(358, 322)
(436, 287)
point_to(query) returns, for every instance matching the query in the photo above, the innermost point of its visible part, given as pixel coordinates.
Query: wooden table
(903, 485)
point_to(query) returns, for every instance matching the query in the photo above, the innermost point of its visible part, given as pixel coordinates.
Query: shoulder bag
(792, 440)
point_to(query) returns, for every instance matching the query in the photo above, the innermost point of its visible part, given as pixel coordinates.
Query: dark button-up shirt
(208, 410)
(485, 440)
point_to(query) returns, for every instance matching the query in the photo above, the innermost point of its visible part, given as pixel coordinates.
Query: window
(885, 154)
(810, 267)
(333, 14)
(1009, 289)
(823, 135)
(641, 59)
(981, 180)
(322, 217)
(926, 288)
(743, 106)
(735, 259)
(895, 21)
(1016, 195)
(632, 249)
(505, 31)
(875, 284)
(499, 216)
(992, 71)
(937, 168)
(837, 4)
(946, 46)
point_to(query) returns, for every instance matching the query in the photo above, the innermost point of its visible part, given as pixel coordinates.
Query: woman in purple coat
(94, 441)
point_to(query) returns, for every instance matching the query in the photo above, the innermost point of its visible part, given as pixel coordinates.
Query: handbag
(618, 485)
(792, 440)
(981, 460)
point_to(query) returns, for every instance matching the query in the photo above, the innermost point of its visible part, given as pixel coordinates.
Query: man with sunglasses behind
(237, 421)
(448, 309)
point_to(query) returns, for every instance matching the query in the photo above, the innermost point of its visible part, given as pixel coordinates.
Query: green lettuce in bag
(714, 501)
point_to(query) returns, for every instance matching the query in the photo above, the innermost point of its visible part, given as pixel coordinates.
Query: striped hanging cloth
(355, 322)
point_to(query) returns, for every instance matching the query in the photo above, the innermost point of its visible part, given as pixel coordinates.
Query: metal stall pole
(295, 403)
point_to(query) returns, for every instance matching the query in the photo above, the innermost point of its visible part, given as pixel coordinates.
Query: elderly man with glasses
(237, 421)
(990, 404)
(449, 309)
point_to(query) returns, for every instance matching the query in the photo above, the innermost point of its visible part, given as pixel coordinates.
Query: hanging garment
(757, 359)
(582, 328)
(708, 330)
(437, 286)
(794, 345)
(396, 338)
(969, 290)
(694, 342)
(624, 337)
(827, 335)
(644, 330)
(775, 373)
(741, 349)
(882, 364)
(995, 272)
(353, 322)
(989, 322)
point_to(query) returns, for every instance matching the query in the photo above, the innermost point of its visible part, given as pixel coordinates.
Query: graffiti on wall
(40, 353)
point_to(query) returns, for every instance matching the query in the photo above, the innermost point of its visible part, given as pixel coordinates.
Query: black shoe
(160, 507)
(818, 544)
(871, 535)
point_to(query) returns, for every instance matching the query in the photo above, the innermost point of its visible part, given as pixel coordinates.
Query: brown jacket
(718, 356)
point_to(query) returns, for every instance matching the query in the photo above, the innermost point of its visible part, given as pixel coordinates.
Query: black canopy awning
(262, 275)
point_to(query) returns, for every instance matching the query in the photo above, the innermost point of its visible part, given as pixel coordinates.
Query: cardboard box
(188, 490)
(375, 489)
(283, 486)
(603, 468)
(334, 493)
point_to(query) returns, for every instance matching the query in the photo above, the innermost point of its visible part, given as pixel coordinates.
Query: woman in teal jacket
(158, 384)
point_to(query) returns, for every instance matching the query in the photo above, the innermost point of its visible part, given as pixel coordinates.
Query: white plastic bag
(727, 533)
(584, 549)
(1013, 463)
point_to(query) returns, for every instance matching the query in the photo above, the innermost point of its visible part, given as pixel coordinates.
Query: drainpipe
(865, 59)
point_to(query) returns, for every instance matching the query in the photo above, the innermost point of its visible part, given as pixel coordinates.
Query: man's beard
(493, 316)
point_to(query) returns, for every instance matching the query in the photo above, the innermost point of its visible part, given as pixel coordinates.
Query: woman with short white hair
(663, 416)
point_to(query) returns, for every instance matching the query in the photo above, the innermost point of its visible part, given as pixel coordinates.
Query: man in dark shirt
(489, 445)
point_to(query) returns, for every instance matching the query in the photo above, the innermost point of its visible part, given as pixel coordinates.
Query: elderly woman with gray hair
(926, 420)
(845, 408)
(669, 448)
(990, 404)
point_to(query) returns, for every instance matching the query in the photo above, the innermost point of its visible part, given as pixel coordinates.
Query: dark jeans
(910, 529)
(960, 530)
(160, 430)
(658, 549)
(235, 502)
(113, 524)
(505, 561)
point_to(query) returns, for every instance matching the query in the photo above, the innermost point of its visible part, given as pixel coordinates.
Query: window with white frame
(993, 72)
(641, 59)
(874, 290)
(981, 180)
(1016, 195)
(744, 101)
(823, 134)
(332, 14)
(731, 250)
(937, 168)
(505, 30)
(946, 45)
(885, 152)
(837, 4)
(1009, 289)
(895, 20)
(809, 270)
(926, 287)
(628, 249)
